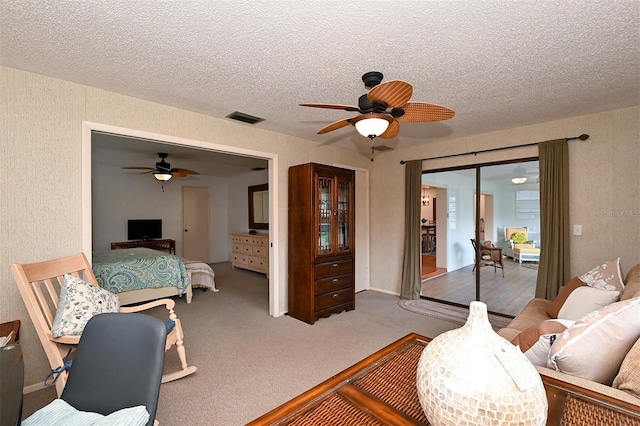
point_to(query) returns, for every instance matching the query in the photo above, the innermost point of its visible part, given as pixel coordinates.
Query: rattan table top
(381, 390)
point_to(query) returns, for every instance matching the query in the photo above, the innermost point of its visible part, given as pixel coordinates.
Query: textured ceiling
(498, 64)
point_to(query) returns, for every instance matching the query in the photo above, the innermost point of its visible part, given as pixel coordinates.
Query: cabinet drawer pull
(335, 265)
(335, 280)
(335, 296)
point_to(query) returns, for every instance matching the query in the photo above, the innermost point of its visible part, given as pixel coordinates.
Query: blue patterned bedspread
(138, 268)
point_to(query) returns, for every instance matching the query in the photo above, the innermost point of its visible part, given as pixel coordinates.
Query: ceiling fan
(383, 107)
(163, 171)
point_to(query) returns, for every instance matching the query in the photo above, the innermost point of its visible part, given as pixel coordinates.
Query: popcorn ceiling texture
(498, 64)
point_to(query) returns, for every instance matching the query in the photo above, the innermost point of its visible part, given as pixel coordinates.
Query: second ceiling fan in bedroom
(163, 171)
(383, 108)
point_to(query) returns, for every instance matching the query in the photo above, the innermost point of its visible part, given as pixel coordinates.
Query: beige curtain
(411, 264)
(554, 217)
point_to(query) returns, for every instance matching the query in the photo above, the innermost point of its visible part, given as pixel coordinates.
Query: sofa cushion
(632, 284)
(607, 276)
(508, 333)
(535, 342)
(595, 346)
(534, 313)
(628, 378)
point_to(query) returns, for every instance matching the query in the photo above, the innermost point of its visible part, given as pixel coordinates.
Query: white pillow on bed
(79, 301)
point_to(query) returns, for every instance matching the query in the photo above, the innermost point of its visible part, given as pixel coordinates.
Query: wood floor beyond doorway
(429, 268)
(506, 295)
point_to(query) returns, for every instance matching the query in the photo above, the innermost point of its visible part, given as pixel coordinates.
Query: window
(527, 204)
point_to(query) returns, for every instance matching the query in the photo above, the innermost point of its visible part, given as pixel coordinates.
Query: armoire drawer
(331, 269)
(333, 298)
(326, 285)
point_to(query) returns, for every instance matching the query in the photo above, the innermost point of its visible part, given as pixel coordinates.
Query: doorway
(480, 202)
(195, 223)
(277, 279)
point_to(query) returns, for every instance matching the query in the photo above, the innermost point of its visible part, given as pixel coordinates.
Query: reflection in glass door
(481, 202)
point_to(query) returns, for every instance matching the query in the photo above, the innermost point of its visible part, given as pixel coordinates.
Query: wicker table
(381, 390)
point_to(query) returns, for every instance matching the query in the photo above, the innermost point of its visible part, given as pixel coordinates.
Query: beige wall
(41, 200)
(41, 172)
(604, 184)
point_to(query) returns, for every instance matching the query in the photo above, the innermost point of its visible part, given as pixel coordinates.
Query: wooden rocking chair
(40, 284)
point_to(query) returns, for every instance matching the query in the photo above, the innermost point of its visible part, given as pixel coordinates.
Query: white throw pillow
(535, 342)
(595, 346)
(584, 300)
(79, 301)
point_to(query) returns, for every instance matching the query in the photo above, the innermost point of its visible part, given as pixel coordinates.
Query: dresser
(250, 252)
(321, 241)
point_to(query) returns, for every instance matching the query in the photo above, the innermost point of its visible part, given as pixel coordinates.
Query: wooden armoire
(321, 241)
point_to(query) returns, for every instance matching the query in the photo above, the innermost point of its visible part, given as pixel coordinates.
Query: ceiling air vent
(382, 148)
(245, 118)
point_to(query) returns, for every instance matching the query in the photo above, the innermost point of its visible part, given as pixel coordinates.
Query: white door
(362, 231)
(195, 221)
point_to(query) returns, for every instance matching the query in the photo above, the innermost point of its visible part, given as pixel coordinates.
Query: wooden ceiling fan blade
(392, 130)
(423, 112)
(185, 172)
(395, 93)
(332, 106)
(335, 126)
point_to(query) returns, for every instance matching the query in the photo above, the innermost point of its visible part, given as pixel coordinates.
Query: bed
(141, 274)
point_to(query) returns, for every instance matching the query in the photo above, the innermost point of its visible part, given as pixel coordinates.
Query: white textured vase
(461, 379)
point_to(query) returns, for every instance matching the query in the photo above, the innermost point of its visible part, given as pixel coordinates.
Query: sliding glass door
(475, 206)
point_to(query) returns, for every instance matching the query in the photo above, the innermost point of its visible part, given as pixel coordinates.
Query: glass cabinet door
(343, 216)
(325, 216)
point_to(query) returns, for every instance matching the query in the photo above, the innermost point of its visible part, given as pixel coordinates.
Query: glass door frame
(477, 213)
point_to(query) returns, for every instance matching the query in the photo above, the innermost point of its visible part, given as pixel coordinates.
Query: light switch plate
(577, 229)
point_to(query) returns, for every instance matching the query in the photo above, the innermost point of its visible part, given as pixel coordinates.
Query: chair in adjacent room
(116, 372)
(489, 256)
(520, 247)
(40, 284)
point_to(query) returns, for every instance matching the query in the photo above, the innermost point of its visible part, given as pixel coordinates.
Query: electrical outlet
(577, 229)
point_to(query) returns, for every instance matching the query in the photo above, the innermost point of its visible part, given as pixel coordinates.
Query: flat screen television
(144, 229)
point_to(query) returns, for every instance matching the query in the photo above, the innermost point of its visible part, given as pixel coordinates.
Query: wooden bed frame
(146, 294)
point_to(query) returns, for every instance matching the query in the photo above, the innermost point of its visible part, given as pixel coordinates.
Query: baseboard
(380, 290)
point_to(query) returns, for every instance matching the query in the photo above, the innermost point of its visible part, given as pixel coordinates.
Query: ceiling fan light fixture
(519, 176)
(519, 180)
(371, 127)
(162, 176)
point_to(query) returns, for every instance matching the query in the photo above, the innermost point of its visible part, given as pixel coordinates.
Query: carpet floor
(453, 314)
(249, 362)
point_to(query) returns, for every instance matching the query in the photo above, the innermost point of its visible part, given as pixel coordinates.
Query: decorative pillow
(628, 378)
(584, 300)
(595, 346)
(519, 237)
(565, 291)
(59, 412)
(79, 301)
(607, 276)
(536, 341)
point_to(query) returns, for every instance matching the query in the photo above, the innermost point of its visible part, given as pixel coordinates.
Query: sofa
(622, 383)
